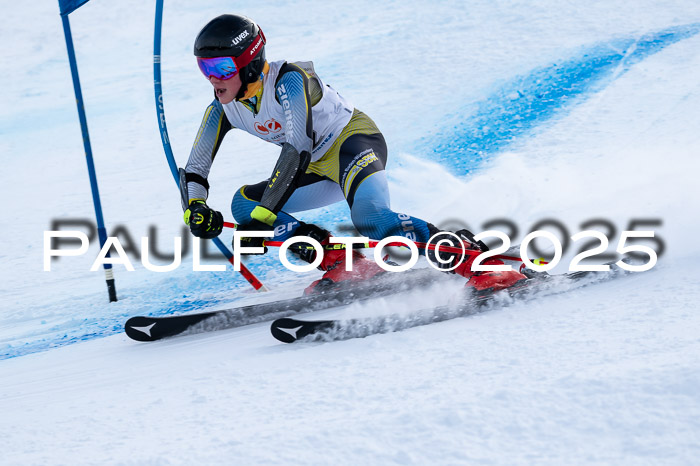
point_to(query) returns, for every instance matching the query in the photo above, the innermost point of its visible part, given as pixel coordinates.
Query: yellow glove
(204, 221)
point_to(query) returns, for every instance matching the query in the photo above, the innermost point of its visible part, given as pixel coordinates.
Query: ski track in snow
(560, 110)
(529, 101)
(563, 380)
(498, 121)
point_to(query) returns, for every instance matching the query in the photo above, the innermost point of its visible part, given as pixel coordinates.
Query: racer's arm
(204, 221)
(211, 133)
(292, 93)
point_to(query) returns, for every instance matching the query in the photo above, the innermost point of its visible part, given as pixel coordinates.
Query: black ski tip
(141, 328)
(289, 330)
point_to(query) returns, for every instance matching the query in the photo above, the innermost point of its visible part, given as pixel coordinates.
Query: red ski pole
(247, 274)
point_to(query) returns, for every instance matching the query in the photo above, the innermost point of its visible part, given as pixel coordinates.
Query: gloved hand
(467, 238)
(451, 258)
(253, 241)
(307, 252)
(204, 221)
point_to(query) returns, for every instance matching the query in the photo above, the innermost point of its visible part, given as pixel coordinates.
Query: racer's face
(226, 90)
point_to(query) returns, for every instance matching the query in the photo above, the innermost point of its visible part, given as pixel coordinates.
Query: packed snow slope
(493, 110)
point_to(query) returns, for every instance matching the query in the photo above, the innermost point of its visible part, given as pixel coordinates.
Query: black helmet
(234, 36)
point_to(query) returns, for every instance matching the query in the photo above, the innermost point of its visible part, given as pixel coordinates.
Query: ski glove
(204, 221)
(253, 241)
(448, 260)
(306, 251)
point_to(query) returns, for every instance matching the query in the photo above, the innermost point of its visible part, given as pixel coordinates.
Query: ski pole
(252, 279)
(244, 271)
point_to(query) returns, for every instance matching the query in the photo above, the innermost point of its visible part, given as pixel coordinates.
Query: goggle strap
(252, 50)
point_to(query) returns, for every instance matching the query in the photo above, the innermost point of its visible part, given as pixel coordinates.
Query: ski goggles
(227, 67)
(219, 67)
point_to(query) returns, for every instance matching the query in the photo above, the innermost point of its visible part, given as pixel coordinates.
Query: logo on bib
(270, 126)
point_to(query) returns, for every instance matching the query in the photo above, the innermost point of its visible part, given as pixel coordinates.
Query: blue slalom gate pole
(158, 88)
(101, 231)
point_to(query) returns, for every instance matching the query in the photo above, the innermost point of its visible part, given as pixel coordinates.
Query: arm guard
(290, 166)
(292, 92)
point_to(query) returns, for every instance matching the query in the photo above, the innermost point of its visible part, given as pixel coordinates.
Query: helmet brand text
(239, 38)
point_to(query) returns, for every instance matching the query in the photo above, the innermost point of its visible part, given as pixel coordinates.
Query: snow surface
(565, 110)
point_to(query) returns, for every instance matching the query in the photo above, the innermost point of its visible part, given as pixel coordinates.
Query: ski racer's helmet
(234, 36)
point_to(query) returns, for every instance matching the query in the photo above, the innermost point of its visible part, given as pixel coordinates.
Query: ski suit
(330, 152)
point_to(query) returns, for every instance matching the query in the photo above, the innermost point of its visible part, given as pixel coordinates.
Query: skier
(330, 152)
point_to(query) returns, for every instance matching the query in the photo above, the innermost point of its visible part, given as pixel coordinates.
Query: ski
(144, 328)
(289, 330)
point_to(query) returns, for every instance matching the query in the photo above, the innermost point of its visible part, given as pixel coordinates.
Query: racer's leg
(363, 179)
(367, 193)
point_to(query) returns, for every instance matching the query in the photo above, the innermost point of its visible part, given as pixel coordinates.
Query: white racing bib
(329, 116)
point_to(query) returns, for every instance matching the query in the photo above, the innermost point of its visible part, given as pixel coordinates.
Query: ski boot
(481, 282)
(333, 263)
